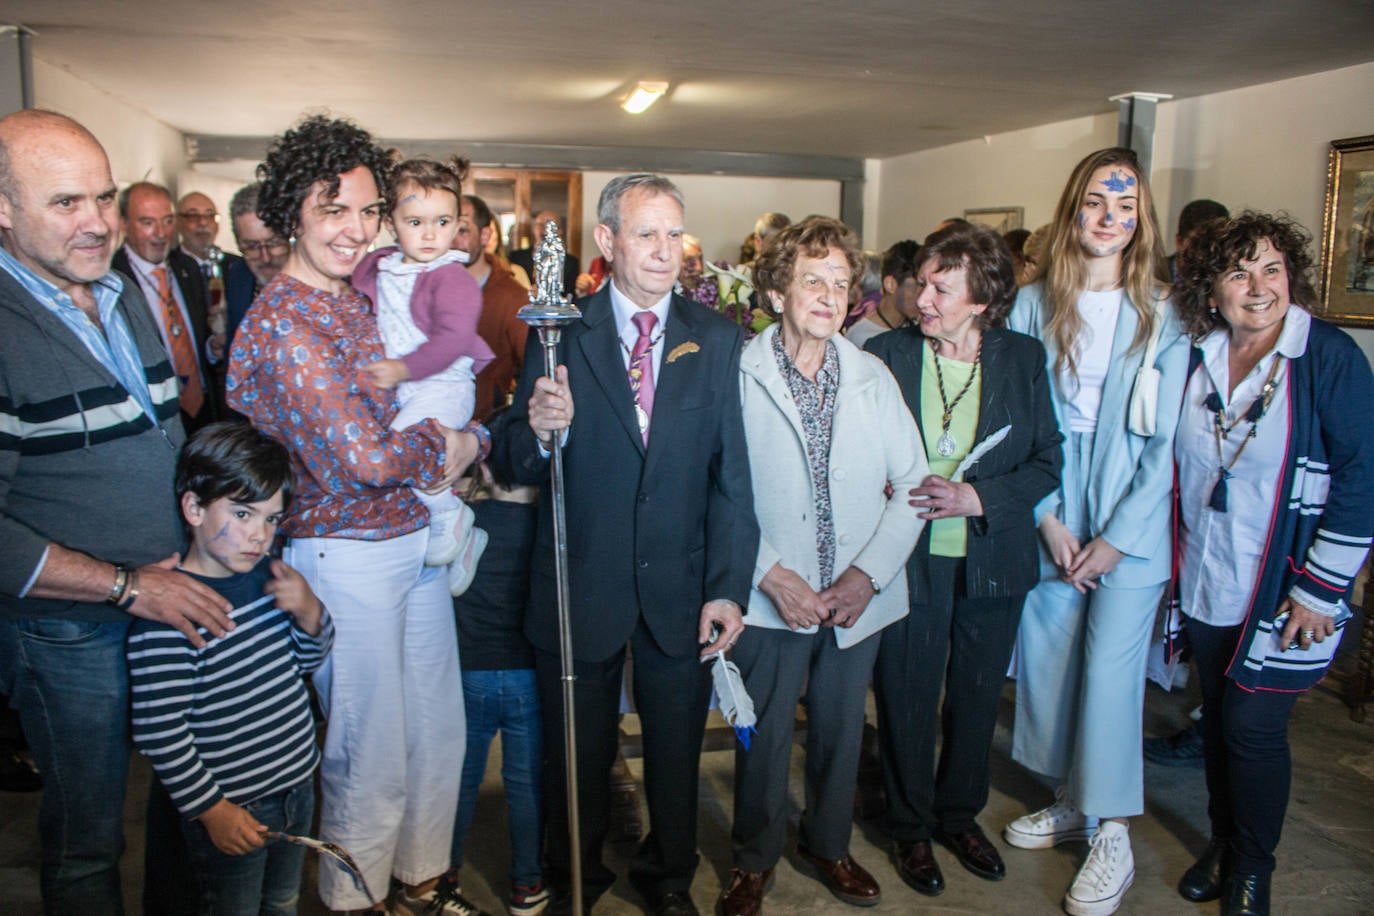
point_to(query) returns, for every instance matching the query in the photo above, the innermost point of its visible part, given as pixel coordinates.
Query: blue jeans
(505, 701)
(266, 880)
(70, 684)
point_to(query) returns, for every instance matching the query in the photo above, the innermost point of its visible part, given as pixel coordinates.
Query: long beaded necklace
(945, 446)
(1221, 431)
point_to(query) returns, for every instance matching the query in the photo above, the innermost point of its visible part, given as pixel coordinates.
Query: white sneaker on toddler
(444, 528)
(1106, 874)
(471, 542)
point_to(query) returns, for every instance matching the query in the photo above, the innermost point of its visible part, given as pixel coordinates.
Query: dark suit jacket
(193, 292)
(655, 534)
(524, 257)
(1003, 558)
(240, 286)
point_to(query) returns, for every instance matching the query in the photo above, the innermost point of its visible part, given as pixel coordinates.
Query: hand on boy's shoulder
(293, 595)
(167, 596)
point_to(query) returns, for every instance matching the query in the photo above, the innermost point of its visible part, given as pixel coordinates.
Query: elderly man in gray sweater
(89, 530)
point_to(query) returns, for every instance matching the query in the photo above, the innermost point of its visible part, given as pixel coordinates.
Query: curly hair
(429, 175)
(318, 150)
(812, 237)
(1219, 246)
(985, 259)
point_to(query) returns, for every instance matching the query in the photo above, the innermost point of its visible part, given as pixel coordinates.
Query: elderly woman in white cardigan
(828, 432)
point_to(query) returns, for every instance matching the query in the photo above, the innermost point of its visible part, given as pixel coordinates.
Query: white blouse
(1221, 551)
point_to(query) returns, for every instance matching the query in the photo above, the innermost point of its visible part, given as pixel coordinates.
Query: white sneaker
(1061, 822)
(443, 546)
(1106, 875)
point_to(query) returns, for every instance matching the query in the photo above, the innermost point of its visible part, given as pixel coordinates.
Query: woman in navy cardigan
(1275, 453)
(977, 557)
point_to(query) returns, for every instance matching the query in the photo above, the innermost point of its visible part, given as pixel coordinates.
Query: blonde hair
(1065, 270)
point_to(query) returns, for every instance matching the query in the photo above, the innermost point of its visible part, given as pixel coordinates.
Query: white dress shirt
(625, 310)
(1221, 551)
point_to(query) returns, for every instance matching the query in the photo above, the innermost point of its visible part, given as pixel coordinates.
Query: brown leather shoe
(845, 878)
(917, 866)
(743, 893)
(976, 852)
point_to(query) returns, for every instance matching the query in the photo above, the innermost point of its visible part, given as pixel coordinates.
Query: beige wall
(140, 147)
(1263, 146)
(721, 209)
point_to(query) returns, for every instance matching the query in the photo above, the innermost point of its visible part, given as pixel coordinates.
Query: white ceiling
(867, 78)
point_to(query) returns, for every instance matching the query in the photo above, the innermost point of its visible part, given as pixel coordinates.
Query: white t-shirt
(1093, 355)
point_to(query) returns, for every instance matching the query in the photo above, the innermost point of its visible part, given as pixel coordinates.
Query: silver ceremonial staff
(548, 311)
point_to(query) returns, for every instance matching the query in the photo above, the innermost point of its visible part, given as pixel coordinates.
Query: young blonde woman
(1102, 312)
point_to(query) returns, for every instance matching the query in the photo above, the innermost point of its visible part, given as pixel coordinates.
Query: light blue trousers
(1080, 687)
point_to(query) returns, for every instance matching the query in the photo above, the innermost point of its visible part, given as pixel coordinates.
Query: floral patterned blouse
(296, 372)
(816, 404)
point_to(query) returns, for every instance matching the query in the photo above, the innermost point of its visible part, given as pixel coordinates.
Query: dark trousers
(962, 645)
(776, 665)
(671, 696)
(1245, 742)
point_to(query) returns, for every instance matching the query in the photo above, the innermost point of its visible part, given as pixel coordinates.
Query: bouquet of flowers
(735, 297)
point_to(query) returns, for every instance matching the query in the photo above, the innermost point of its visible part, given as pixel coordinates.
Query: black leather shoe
(1203, 880)
(1245, 895)
(673, 903)
(917, 866)
(975, 852)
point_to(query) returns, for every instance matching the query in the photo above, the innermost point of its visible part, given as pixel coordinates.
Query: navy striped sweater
(231, 720)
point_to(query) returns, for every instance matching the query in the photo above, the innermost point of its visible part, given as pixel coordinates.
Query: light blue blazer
(1131, 478)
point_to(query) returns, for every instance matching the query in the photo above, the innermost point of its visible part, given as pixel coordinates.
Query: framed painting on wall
(999, 219)
(1347, 267)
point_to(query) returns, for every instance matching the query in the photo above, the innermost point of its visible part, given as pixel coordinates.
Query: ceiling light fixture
(645, 94)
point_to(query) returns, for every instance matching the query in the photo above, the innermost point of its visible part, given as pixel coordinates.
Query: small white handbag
(1144, 407)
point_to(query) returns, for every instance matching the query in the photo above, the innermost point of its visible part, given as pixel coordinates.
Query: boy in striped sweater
(228, 728)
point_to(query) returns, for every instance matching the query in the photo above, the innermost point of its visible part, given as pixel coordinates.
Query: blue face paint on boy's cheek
(222, 533)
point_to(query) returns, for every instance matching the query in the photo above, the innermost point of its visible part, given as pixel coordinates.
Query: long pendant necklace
(636, 373)
(1221, 431)
(946, 445)
(890, 326)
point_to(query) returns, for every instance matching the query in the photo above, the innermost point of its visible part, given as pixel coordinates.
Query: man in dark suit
(524, 257)
(172, 283)
(661, 533)
(264, 255)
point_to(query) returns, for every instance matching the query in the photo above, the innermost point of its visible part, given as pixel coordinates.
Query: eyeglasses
(272, 246)
(196, 216)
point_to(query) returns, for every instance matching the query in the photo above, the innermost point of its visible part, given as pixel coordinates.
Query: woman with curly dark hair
(1275, 457)
(391, 690)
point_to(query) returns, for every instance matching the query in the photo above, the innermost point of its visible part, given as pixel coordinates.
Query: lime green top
(948, 536)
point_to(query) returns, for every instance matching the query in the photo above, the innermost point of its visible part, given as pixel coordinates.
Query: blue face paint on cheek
(1129, 225)
(1082, 219)
(222, 534)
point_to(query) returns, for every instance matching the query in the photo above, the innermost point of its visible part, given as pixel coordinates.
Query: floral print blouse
(296, 372)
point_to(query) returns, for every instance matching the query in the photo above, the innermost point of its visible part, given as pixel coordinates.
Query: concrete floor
(1326, 860)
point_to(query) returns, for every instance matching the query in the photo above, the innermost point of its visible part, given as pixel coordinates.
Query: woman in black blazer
(964, 379)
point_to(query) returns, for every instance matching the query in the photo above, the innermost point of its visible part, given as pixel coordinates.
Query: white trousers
(393, 696)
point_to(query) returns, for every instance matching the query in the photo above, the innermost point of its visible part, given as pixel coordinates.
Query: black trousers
(1245, 743)
(671, 696)
(961, 645)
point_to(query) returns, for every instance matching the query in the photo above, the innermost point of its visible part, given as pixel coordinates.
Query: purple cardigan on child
(445, 304)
